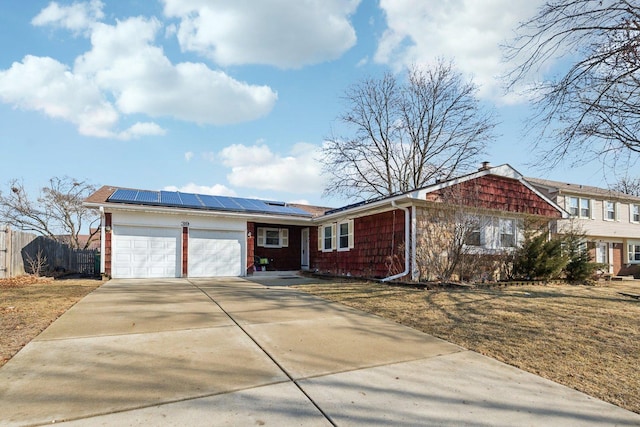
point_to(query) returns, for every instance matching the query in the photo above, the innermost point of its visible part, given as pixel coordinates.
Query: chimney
(485, 166)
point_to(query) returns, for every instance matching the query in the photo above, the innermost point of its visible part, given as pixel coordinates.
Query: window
(609, 211)
(335, 236)
(273, 237)
(579, 207)
(573, 206)
(585, 212)
(345, 235)
(327, 237)
(634, 214)
(507, 233)
(634, 252)
(473, 234)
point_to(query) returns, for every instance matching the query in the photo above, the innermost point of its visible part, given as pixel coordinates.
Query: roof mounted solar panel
(170, 198)
(123, 195)
(228, 203)
(202, 201)
(191, 200)
(148, 197)
(211, 201)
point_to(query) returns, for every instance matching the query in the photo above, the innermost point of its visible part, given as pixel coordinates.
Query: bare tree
(449, 238)
(591, 109)
(37, 264)
(406, 134)
(627, 185)
(57, 212)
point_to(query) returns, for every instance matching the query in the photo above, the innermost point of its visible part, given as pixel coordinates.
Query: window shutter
(630, 212)
(350, 234)
(334, 227)
(617, 207)
(592, 212)
(284, 237)
(261, 237)
(320, 237)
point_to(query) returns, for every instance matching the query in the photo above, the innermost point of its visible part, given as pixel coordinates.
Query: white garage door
(215, 253)
(140, 252)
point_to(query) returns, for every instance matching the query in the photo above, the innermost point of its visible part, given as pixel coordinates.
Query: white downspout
(415, 274)
(406, 244)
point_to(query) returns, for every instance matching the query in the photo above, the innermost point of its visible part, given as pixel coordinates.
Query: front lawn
(586, 337)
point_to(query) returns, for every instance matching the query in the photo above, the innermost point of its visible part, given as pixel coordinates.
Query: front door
(602, 254)
(304, 250)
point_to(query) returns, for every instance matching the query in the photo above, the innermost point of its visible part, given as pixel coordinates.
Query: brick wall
(107, 245)
(251, 241)
(378, 248)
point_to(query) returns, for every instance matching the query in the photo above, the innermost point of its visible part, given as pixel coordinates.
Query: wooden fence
(26, 253)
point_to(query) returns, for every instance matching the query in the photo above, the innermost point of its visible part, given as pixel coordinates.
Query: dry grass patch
(29, 304)
(585, 337)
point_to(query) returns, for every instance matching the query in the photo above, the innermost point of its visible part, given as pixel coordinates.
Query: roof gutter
(407, 232)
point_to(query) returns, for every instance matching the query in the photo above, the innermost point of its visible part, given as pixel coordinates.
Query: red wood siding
(281, 259)
(378, 248)
(497, 193)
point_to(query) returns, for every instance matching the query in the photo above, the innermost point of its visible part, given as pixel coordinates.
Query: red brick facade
(251, 239)
(378, 248)
(107, 244)
(185, 251)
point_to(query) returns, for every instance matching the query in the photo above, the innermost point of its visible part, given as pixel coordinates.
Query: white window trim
(605, 210)
(632, 243)
(321, 237)
(283, 237)
(590, 206)
(349, 236)
(631, 205)
(514, 230)
(567, 206)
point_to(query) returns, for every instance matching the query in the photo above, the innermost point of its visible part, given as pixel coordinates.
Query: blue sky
(231, 97)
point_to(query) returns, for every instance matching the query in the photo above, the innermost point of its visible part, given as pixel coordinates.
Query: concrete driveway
(236, 352)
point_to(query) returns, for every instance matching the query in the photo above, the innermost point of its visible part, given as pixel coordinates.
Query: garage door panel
(215, 253)
(146, 252)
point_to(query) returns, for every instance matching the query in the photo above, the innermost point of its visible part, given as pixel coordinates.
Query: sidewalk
(234, 352)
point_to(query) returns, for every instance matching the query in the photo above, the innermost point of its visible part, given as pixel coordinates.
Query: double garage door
(154, 252)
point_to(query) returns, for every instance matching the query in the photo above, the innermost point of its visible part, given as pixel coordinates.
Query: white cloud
(258, 167)
(142, 129)
(214, 190)
(188, 156)
(77, 17)
(46, 85)
(143, 80)
(283, 33)
(126, 73)
(470, 31)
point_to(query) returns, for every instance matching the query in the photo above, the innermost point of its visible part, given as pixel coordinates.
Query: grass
(28, 305)
(585, 337)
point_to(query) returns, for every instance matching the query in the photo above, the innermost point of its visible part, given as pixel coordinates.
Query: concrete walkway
(235, 352)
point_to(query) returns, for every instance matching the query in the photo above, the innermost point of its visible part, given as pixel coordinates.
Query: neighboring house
(173, 234)
(609, 219)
